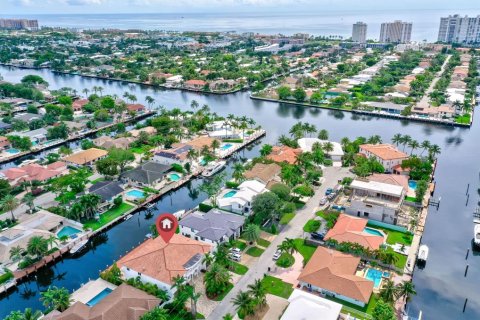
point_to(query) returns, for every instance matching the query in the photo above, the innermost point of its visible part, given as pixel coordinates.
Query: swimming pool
(67, 231)
(375, 232)
(230, 194)
(13, 151)
(174, 176)
(99, 297)
(375, 276)
(412, 184)
(136, 194)
(226, 146)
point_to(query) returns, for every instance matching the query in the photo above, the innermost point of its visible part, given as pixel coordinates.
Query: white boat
(423, 253)
(128, 217)
(79, 246)
(476, 234)
(214, 168)
(179, 213)
(29, 161)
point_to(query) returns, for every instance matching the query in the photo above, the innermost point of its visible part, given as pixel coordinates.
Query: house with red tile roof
(158, 262)
(332, 273)
(137, 108)
(78, 105)
(386, 154)
(284, 154)
(194, 84)
(34, 172)
(352, 229)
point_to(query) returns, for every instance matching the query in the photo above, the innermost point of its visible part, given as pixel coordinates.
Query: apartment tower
(396, 32)
(359, 32)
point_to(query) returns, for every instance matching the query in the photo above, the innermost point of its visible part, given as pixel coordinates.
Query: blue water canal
(441, 286)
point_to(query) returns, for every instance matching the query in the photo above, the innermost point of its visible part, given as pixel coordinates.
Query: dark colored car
(317, 235)
(329, 191)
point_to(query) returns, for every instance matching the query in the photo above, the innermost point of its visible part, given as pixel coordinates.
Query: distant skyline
(18, 7)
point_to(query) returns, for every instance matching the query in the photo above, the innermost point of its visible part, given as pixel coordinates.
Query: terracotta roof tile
(383, 151)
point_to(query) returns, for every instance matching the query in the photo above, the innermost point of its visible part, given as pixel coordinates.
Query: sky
(18, 7)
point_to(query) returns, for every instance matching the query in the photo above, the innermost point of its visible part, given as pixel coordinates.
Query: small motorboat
(79, 246)
(179, 213)
(214, 168)
(423, 253)
(476, 234)
(128, 217)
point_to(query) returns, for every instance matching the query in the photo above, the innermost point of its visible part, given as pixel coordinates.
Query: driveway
(293, 230)
(291, 274)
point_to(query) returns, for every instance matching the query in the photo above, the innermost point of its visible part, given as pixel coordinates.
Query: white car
(323, 201)
(277, 255)
(235, 250)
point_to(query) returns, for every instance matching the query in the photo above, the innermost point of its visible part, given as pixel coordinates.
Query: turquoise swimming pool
(99, 297)
(136, 194)
(230, 194)
(12, 151)
(375, 232)
(67, 231)
(226, 146)
(174, 176)
(412, 184)
(375, 276)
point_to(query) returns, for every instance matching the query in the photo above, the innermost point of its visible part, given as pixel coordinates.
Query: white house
(240, 200)
(386, 154)
(336, 155)
(170, 156)
(306, 306)
(174, 81)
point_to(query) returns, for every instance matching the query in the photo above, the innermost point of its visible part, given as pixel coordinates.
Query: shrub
(286, 218)
(27, 262)
(304, 190)
(232, 184)
(330, 216)
(233, 140)
(282, 191)
(204, 207)
(177, 168)
(117, 201)
(312, 226)
(286, 260)
(6, 276)
(328, 162)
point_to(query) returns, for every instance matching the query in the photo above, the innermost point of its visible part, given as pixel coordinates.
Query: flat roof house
(36, 136)
(158, 262)
(176, 155)
(332, 273)
(352, 229)
(240, 200)
(376, 200)
(86, 157)
(306, 144)
(146, 174)
(386, 154)
(214, 227)
(306, 306)
(123, 303)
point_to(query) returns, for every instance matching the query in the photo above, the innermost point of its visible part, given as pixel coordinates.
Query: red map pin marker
(167, 224)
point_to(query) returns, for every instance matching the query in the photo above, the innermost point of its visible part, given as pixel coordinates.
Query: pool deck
(90, 289)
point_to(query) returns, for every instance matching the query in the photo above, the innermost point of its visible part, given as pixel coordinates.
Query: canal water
(442, 287)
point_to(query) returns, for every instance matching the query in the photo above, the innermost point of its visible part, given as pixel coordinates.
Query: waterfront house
(306, 306)
(37, 136)
(386, 154)
(174, 81)
(4, 143)
(195, 84)
(222, 85)
(375, 200)
(353, 229)
(214, 227)
(86, 157)
(158, 262)
(122, 303)
(332, 273)
(34, 172)
(27, 117)
(107, 191)
(176, 155)
(148, 130)
(284, 154)
(78, 105)
(197, 143)
(107, 142)
(336, 155)
(240, 200)
(136, 108)
(263, 173)
(146, 174)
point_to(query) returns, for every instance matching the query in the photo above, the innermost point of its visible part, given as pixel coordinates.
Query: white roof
(253, 185)
(306, 145)
(380, 187)
(306, 306)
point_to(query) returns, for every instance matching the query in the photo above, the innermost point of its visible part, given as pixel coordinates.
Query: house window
(139, 274)
(191, 229)
(365, 214)
(202, 238)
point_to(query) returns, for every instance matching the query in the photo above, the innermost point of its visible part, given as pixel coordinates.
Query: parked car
(338, 208)
(329, 191)
(317, 235)
(277, 255)
(323, 201)
(236, 258)
(235, 250)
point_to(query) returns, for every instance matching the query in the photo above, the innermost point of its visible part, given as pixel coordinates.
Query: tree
(56, 298)
(156, 314)
(405, 290)
(251, 233)
(238, 170)
(266, 150)
(265, 205)
(299, 94)
(58, 132)
(323, 134)
(258, 291)
(37, 246)
(420, 191)
(107, 167)
(212, 187)
(282, 191)
(87, 144)
(244, 304)
(288, 246)
(28, 314)
(215, 145)
(284, 92)
(9, 203)
(397, 139)
(413, 145)
(383, 311)
(5, 188)
(28, 199)
(388, 291)
(434, 151)
(16, 253)
(228, 316)
(217, 279)
(121, 156)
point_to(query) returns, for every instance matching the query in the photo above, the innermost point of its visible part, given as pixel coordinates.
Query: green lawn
(305, 250)
(277, 287)
(254, 251)
(224, 293)
(287, 217)
(263, 243)
(312, 225)
(368, 309)
(239, 244)
(411, 199)
(239, 268)
(402, 259)
(142, 149)
(108, 216)
(98, 180)
(286, 260)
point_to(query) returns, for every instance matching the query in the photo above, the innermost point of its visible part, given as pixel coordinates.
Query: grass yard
(312, 225)
(142, 149)
(351, 308)
(402, 259)
(254, 251)
(277, 287)
(239, 244)
(286, 260)
(263, 243)
(108, 216)
(286, 218)
(411, 199)
(305, 250)
(98, 180)
(239, 268)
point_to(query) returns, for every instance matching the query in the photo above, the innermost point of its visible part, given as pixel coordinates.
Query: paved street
(293, 230)
(425, 101)
(45, 200)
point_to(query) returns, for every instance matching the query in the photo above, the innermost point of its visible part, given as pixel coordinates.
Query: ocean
(337, 23)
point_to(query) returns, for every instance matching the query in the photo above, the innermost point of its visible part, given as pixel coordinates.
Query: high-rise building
(18, 24)
(457, 29)
(396, 32)
(359, 32)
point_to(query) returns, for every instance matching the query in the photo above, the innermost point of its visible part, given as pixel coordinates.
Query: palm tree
(397, 139)
(244, 304)
(216, 280)
(323, 134)
(375, 139)
(296, 131)
(413, 145)
(238, 170)
(194, 104)
(56, 298)
(193, 296)
(266, 150)
(9, 203)
(288, 246)
(434, 150)
(208, 258)
(28, 314)
(90, 204)
(328, 147)
(37, 246)
(258, 291)
(228, 316)
(86, 91)
(100, 89)
(426, 145)
(28, 199)
(406, 140)
(215, 145)
(15, 253)
(405, 290)
(388, 292)
(156, 314)
(150, 100)
(51, 240)
(251, 233)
